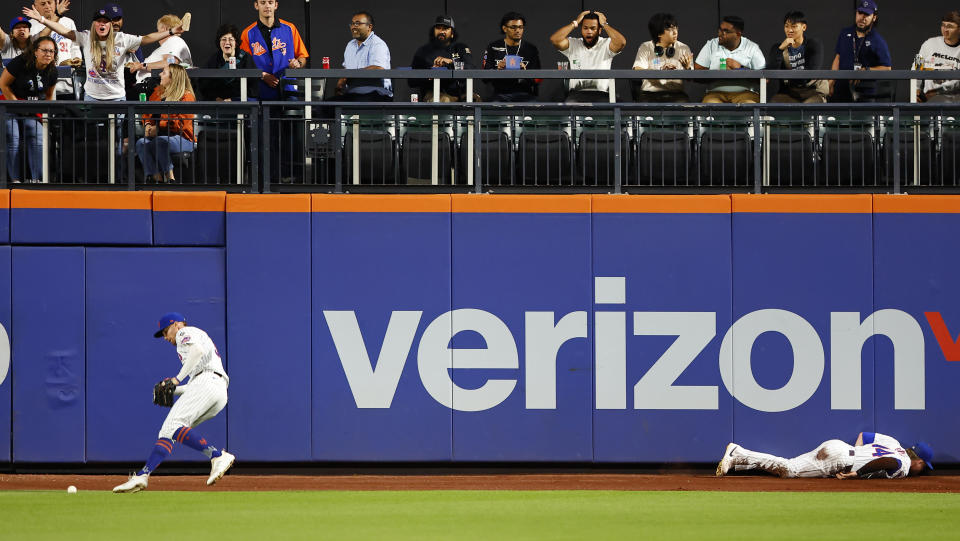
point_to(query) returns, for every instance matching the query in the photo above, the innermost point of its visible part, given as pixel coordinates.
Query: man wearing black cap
(860, 47)
(201, 399)
(443, 51)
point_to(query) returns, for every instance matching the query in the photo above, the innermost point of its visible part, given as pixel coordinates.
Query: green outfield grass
(482, 515)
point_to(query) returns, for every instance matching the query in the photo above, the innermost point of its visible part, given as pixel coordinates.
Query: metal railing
(610, 147)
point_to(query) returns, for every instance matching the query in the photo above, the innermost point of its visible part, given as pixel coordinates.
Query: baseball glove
(163, 393)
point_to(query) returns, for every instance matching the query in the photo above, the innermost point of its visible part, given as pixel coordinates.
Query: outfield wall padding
(484, 328)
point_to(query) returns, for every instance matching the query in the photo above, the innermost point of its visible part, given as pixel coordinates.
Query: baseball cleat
(727, 461)
(136, 483)
(219, 466)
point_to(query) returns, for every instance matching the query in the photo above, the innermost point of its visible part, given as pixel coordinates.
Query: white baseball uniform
(828, 459)
(205, 394)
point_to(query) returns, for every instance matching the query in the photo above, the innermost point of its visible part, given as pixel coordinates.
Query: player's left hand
(847, 475)
(163, 393)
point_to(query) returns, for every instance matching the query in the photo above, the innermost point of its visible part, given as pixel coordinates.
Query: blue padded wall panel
(5, 225)
(268, 292)
(189, 228)
(809, 265)
(671, 263)
(370, 265)
(6, 379)
(128, 289)
(508, 265)
(81, 226)
(48, 354)
(916, 272)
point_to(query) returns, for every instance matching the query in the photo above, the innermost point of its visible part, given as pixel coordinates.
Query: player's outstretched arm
(879, 467)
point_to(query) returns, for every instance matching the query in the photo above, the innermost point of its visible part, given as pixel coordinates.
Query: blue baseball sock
(161, 450)
(195, 441)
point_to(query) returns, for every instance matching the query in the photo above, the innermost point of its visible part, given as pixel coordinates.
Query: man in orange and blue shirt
(275, 46)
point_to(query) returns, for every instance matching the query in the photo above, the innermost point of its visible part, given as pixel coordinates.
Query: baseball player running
(874, 455)
(200, 399)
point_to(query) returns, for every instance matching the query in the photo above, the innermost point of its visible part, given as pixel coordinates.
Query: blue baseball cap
(167, 320)
(113, 11)
(867, 6)
(100, 14)
(925, 452)
(19, 20)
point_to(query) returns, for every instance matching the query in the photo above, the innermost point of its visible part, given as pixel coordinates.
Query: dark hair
(592, 15)
(951, 17)
(659, 24)
(31, 53)
(223, 31)
(453, 34)
(735, 21)
(511, 16)
(795, 17)
(365, 14)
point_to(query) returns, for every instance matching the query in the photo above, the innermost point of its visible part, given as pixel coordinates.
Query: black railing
(607, 147)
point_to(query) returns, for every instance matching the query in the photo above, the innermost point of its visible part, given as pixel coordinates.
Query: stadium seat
(663, 157)
(726, 156)
(596, 157)
(928, 167)
(377, 157)
(545, 157)
(790, 150)
(496, 158)
(416, 155)
(849, 156)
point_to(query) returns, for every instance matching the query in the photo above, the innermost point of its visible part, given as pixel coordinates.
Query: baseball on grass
(71, 489)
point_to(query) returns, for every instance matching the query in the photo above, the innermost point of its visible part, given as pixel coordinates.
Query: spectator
(68, 51)
(942, 53)
(167, 134)
(524, 55)
(30, 76)
(731, 51)
(17, 41)
(589, 52)
(131, 59)
(170, 50)
(798, 52)
(275, 46)
(365, 51)
(100, 45)
(442, 51)
(226, 89)
(860, 47)
(663, 52)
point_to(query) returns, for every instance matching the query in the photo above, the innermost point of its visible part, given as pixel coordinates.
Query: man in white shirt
(67, 50)
(171, 49)
(731, 51)
(942, 53)
(590, 52)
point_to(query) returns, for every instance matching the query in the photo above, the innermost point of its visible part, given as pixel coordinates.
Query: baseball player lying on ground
(200, 399)
(872, 456)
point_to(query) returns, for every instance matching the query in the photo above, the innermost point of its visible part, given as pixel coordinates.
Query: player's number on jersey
(879, 450)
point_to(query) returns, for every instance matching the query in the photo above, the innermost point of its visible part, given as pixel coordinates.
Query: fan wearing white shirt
(942, 53)
(590, 52)
(171, 49)
(730, 50)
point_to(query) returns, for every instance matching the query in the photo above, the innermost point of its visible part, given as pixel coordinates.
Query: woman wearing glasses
(30, 76)
(228, 41)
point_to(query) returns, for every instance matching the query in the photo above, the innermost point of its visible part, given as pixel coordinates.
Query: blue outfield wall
(472, 328)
